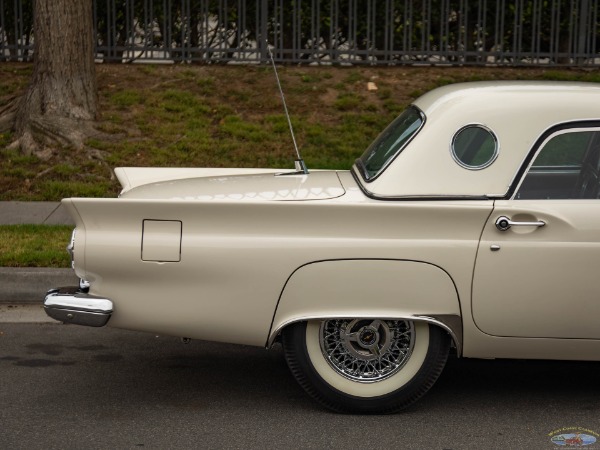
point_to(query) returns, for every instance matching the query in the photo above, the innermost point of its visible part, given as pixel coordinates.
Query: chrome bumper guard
(72, 305)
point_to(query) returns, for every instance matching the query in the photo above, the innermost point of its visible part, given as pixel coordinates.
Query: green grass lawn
(227, 116)
(34, 245)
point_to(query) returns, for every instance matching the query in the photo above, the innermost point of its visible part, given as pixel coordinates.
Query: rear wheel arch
(370, 288)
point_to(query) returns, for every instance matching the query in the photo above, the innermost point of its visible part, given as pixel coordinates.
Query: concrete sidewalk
(46, 213)
(29, 285)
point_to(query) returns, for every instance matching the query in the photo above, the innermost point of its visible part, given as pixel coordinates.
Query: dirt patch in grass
(227, 116)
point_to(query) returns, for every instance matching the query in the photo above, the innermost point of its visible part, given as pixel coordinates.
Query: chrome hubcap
(366, 350)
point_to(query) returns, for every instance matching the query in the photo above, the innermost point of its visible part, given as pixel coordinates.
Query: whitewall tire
(367, 366)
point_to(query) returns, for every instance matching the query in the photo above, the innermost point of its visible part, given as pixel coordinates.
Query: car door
(537, 272)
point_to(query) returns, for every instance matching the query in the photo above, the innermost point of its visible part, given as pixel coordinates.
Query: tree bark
(61, 103)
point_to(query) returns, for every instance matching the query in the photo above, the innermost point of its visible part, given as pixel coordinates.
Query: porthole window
(474, 147)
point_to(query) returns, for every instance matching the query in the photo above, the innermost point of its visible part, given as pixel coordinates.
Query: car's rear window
(390, 142)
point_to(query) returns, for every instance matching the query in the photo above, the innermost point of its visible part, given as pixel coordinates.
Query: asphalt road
(76, 387)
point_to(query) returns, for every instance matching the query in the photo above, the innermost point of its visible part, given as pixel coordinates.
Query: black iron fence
(378, 32)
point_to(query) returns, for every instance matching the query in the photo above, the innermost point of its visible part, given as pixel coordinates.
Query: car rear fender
(370, 288)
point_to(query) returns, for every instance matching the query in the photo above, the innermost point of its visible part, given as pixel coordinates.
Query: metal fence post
(583, 32)
(262, 40)
(374, 32)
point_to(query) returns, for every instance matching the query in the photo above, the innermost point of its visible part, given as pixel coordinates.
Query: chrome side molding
(74, 305)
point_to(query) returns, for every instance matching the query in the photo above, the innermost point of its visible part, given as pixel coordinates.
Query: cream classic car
(471, 223)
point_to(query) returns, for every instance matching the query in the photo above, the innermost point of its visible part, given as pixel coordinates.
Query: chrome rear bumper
(72, 305)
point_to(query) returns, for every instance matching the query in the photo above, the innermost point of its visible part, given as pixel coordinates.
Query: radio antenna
(299, 164)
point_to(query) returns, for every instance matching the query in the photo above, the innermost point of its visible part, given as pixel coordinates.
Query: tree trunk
(61, 103)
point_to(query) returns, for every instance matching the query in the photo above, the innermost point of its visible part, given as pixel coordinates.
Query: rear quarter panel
(237, 257)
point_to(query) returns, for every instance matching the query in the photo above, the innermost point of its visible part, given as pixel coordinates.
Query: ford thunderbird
(470, 225)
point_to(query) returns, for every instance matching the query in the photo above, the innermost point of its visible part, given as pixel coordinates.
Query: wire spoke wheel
(367, 350)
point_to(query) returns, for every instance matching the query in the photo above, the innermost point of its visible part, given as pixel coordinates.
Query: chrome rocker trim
(72, 305)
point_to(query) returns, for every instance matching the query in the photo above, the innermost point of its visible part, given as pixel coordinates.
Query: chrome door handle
(503, 223)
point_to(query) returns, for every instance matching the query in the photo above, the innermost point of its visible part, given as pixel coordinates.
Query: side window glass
(567, 167)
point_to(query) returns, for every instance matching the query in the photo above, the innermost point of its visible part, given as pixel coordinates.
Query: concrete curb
(29, 285)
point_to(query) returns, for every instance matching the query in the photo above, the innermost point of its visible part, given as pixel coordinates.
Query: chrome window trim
(359, 164)
(573, 129)
(419, 197)
(481, 166)
(523, 166)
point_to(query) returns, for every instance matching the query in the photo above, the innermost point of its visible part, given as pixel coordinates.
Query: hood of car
(319, 185)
